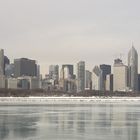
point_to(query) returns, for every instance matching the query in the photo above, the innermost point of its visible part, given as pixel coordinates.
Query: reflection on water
(70, 122)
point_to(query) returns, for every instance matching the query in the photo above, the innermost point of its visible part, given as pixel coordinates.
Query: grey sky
(66, 31)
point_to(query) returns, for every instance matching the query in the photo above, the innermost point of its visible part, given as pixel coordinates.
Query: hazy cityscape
(69, 70)
(24, 73)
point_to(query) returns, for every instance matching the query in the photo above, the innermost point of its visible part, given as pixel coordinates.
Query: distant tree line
(41, 92)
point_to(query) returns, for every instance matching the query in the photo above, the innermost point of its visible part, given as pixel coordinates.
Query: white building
(28, 82)
(120, 80)
(2, 81)
(12, 83)
(97, 79)
(34, 82)
(109, 82)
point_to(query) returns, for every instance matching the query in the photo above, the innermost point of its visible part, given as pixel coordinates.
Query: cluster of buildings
(25, 74)
(22, 74)
(123, 77)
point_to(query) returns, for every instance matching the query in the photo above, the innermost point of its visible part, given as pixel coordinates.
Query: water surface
(70, 122)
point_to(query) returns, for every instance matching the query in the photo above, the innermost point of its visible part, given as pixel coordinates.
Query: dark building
(70, 68)
(118, 61)
(25, 67)
(6, 62)
(106, 69)
(9, 70)
(138, 82)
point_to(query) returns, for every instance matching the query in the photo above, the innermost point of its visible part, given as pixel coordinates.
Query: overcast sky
(66, 31)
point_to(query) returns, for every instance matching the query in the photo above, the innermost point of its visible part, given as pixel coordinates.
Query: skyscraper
(54, 73)
(67, 79)
(88, 80)
(70, 68)
(81, 76)
(97, 79)
(106, 69)
(1, 62)
(133, 69)
(120, 79)
(109, 82)
(25, 67)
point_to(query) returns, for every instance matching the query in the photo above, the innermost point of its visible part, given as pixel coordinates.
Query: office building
(133, 69)
(109, 82)
(6, 62)
(12, 83)
(9, 70)
(81, 76)
(67, 80)
(67, 70)
(2, 81)
(88, 80)
(106, 69)
(1, 62)
(25, 67)
(138, 82)
(120, 80)
(54, 73)
(97, 79)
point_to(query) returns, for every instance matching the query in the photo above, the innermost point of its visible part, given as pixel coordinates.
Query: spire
(133, 48)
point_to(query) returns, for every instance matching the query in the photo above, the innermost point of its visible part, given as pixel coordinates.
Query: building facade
(106, 69)
(67, 80)
(1, 62)
(97, 79)
(120, 76)
(88, 80)
(25, 67)
(80, 76)
(54, 73)
(109, 82)
(2, 81)
(133, 69)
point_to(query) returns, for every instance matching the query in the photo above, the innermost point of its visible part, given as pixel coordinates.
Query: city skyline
(87, 66)
(58, 32)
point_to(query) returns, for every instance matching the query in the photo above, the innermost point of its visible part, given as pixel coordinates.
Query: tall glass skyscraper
(81, 76)
(133, 69)
(1, 62)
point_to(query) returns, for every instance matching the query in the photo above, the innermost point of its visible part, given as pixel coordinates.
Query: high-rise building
(88, 80)
(25, 67)
(69, 67)
(54, 72)
(38, 71)
(67, 79)
(81, 76)
(2, 81)
(120, 79)
(97, 79)
(133, 69)
(9, 70)
(67, 71)
(106, 69)
(109, 82)
(1, 62)
(138, 82)
(6, 62)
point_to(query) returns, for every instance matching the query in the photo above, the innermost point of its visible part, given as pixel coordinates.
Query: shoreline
(65, 100)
